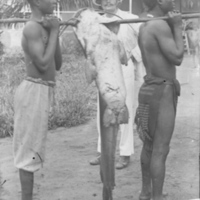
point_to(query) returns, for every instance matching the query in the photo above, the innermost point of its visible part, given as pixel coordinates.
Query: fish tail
(123, 116)
(107, 162)
(108, 148)
(107, 193)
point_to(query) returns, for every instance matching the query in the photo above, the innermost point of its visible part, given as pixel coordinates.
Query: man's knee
(146, 152)
(148, 145)
(161, 151)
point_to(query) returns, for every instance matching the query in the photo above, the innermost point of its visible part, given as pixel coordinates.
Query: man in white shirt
(127, 34)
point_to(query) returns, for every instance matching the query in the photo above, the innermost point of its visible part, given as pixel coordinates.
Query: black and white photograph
(189, 6)
(99, 99)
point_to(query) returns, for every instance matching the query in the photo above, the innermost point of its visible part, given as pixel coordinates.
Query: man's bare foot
(148, 196)
(145, 196)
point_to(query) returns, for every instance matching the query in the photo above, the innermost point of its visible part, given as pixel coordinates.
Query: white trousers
(126, 145)
(139, 79)
(32, 103)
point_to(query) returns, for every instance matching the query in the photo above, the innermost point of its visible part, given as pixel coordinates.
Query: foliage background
(75, 100)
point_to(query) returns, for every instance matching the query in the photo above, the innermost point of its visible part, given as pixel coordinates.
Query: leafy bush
(75, 101)
(11, 74)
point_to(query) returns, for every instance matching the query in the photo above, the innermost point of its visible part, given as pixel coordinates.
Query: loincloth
(32, 102)
(40, 81)
(149, 98)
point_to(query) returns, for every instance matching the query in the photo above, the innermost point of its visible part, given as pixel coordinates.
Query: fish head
(87, 30)
(79, 12)
(113, 25)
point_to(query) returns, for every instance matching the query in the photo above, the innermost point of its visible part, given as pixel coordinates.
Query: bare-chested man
(33, 97)
(162, 48)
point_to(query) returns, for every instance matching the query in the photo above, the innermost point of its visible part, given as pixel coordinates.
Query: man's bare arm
(41, 56)
(171, 45)
(58, 56)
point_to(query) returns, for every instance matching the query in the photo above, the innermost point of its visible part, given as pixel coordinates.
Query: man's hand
(50, 23)
(175, 18)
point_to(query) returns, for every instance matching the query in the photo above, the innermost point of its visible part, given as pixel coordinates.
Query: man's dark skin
(41, 44)
(162, 48)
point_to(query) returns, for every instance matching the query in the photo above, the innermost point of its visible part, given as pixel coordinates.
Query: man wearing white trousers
(128, 36)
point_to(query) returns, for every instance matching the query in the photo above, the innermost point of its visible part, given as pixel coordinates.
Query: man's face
(47, 6)
(168, 5)
(109, 5)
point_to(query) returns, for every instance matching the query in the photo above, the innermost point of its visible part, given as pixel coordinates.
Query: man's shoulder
(154, 27)
(32, 29)
(158, 25)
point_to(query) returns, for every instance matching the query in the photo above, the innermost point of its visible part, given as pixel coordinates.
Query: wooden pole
(18, 20)
(121, 21)
(140, 20)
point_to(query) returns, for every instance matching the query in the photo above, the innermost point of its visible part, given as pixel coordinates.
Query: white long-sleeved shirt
(128, 35)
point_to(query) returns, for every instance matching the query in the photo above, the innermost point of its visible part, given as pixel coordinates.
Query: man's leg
(162, 137)
(26, 179)
(126, 145)
(145, 160)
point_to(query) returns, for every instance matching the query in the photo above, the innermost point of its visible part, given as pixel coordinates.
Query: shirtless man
(162, 48)
(33, 97)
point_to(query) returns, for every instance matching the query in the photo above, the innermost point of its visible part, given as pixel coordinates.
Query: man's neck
(36, 14)
(157, 12)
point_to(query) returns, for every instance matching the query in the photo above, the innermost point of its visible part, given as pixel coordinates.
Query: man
(1, 45)
(193, 34)
(33, 97)
(162, 48)
(128, 36)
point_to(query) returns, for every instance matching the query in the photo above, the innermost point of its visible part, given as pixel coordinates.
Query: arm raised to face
(170, 41)
(40, 53)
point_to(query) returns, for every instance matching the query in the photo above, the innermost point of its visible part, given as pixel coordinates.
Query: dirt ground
(67, 174)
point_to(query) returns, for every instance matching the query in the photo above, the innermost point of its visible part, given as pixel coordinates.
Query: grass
(75, 100)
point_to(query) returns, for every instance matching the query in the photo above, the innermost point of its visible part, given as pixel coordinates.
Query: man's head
(108, 5)
(164, 5)
(45, 6)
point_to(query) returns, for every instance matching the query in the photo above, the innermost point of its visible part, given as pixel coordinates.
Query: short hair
(150, 3)
(98, 2)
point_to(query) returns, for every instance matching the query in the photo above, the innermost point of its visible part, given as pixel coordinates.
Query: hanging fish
(105, 54)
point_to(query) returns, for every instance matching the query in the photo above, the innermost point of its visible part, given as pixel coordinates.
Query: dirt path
(67, 174)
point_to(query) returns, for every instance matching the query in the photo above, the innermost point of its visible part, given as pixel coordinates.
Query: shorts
(32, 102)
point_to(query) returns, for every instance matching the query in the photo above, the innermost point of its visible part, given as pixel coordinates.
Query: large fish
(105, 54)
